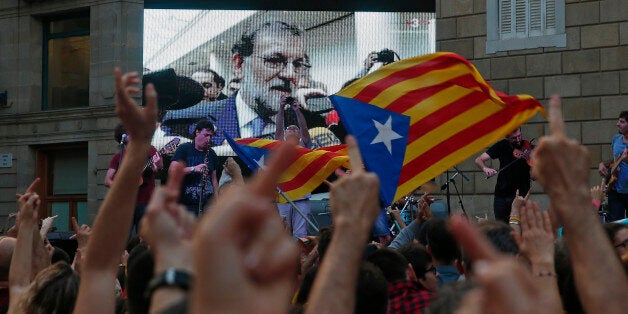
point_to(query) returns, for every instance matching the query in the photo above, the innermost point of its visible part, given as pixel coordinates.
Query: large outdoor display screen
(241, 69)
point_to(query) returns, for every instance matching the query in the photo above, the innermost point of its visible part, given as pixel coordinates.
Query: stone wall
(591, 74)
(115, 40)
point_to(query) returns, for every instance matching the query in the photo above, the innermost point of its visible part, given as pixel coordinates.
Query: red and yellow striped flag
(418, 117)
(309, 169)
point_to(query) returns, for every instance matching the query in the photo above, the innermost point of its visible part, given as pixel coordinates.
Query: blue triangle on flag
(382, 136)
(253, 157)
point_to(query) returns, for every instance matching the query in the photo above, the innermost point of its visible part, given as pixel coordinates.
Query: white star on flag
(385, 134)
(261, 162)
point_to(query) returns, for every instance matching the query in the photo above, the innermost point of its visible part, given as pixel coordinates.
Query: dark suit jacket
(224, 116)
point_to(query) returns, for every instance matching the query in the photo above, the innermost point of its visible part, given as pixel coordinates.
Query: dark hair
(55, 287)
(203, 124)
(306, 285)
(218, 79)
(324, 238)
(59, 255)
(140, 270)
(442, 244)
(498, 233)
(391, 262)
(417, 256)
(372, 290)
(565, 278)
(235, 80)
(244, 46)
(612, 229)
(450, 297)
(623, 114)
(118, 131)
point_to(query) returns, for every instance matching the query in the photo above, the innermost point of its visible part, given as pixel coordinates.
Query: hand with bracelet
(515, 217)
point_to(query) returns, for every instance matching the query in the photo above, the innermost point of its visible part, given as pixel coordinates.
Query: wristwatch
(171, 277)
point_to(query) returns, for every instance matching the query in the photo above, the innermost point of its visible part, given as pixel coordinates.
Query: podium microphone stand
(448, 192)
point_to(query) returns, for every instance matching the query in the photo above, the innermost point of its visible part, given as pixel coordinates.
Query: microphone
(123, 139)
(461, 173)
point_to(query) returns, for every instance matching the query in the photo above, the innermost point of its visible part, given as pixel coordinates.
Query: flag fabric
(308, 171)
(415, 118)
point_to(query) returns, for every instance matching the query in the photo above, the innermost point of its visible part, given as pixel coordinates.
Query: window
(63, 170)
(66, 62)
(524, 24)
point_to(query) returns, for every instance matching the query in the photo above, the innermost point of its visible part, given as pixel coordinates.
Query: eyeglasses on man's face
(279, 63)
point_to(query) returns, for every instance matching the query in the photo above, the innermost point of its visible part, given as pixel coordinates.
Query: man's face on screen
(273, 69)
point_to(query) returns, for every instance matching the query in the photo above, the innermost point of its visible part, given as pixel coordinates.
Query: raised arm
(21, 272)
(279, 122)
(111, 227)
(561, 166)
(305, 133)
(240, 245)
(354, 201)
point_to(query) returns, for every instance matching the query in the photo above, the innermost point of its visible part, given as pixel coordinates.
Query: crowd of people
(239, 256)
(204, 244)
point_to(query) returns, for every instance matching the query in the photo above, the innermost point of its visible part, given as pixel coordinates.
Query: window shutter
(550, 17)
(505, 19)
(521, 20)
(535, 18)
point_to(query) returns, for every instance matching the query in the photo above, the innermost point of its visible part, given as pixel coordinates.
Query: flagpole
(297, 209)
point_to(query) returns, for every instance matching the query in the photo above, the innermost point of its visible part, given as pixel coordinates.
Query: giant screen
(240, 68)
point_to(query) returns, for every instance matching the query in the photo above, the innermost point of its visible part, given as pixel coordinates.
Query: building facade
(583, 58)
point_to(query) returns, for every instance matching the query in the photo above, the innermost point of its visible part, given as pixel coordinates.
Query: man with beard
(269, 60)
(514, 173)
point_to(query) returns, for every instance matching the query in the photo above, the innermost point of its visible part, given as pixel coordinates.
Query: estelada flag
(307, 171)
(415, 118)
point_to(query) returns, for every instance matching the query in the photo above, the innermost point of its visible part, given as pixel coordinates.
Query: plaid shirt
(407, 296)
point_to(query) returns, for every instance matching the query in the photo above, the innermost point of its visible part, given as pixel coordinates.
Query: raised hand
(240, 245)
(505, 286)
(82, 233)
(597, 192)
(561, 165)
(140, 122)
(354, 199)
(536, 241)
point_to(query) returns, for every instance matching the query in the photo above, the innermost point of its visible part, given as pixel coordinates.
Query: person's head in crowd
(234, 86)
(450, 297)
(618, 234)
(7, 244)
(55, 287)
(498, 233)
(324, 238)
(269, 59)
(203, 132)
(133, 242)
(622, 122)
(140, 270)
(292, 135)
(422, 265)
(565, 278)
(441, 243)
(372, 290)
(421, 233)
(393, 265)
(118, 132)
(59, 255)
(211, 81)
